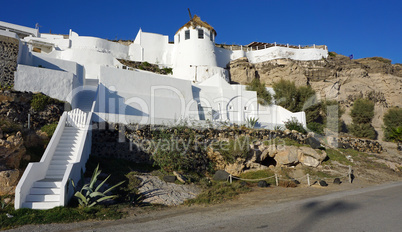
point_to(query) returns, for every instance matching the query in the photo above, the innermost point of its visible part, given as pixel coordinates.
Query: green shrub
(263, 95)
(40, 101)
(393, 124)
(293, 124)
(235, 148)
(363, 130)
(286, 94)
(316, 127)
(291, 97)
(362, 113)
(333, 54)
(49, 129)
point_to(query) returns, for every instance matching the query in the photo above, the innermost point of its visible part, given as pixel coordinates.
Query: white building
(61, 65)
(86, 72)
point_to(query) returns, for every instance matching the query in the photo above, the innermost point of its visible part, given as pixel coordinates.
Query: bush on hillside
(362, 113)
(363, 130)
(393, 124)
(293, 124)
(293, 98)
(264, 97)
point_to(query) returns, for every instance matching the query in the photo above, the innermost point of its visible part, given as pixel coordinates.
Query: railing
(73, 171)
(262, 46)
(37, 171)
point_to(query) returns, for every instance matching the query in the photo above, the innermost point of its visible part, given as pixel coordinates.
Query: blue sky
(362, 28)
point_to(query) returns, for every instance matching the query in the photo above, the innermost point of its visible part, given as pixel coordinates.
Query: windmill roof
(196, 21)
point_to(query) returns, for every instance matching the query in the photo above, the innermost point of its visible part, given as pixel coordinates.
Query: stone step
(43, 198)
(37, 191)
(41, 205)
(47, 183)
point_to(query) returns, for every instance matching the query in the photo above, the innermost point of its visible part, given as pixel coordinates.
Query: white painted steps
(45, 194)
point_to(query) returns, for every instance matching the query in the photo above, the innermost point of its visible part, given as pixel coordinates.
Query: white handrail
(73, 170)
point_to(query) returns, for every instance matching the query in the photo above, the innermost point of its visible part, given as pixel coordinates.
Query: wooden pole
(308, 179)
(29, 121)
(276, 179)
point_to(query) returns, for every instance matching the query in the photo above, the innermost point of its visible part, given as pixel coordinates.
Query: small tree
(286, 94)
(291, 97)
(393, 124)
(264, 97)
(362, 113)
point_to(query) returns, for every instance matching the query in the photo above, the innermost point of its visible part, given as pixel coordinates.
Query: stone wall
(8, 60)
(105, 141)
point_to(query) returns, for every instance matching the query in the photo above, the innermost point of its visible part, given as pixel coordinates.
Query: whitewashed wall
(145, 95)
(275, 114)
(155, 48)
(54, 83)
(271, 53)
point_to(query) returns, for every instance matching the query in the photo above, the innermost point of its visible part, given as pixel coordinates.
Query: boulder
(262, 184)
(287, 156)
(310, 157)
(236, 168)
(12, 150)
(8, 181)
(221, 175)
(216, 158)
(323, 183)
(337, 181)
(313, 142)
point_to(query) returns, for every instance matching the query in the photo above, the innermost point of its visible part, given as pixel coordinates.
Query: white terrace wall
(54, 83)
(151, 47)
(277, 115)
(271, 53)
(128, 96)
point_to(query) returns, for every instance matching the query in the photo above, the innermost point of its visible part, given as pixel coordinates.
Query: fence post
(308, 179)
(275, 44)
(29, 121)
(276, 179)
(350, 174)
(131, 144)
(230, 178)
(314, 45)
(287, 45)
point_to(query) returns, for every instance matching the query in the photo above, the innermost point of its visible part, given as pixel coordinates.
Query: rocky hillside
(337, 77)
(18, 144)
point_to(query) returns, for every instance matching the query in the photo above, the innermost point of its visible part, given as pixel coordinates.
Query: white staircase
(44, 185)
(45, 193)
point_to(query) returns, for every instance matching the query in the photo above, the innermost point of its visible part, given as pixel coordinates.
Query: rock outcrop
(336, 77)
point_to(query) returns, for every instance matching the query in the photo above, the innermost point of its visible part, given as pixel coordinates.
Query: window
(211, 36)
(187, 34)
(200, 34)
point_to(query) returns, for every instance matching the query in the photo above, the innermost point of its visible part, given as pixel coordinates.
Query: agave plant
(251, 122)
(89, 195)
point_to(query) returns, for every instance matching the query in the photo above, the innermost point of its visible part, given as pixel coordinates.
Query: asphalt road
(376, 208)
